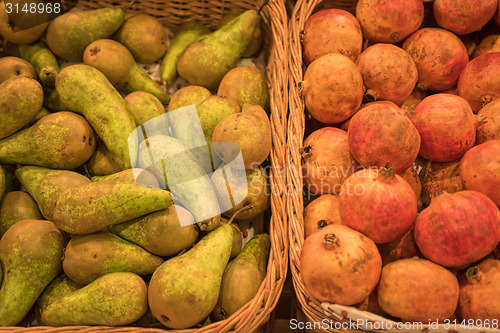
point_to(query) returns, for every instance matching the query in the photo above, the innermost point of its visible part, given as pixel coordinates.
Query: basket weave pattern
(274, 22)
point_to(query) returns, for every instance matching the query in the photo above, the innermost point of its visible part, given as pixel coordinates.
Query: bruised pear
(61, 140)
(250, 133)
(87, 257)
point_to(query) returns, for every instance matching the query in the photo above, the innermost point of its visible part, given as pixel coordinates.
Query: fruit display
(136, 163)
(395, 164)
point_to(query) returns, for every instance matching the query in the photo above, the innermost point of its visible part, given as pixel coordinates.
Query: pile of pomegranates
(402, 166)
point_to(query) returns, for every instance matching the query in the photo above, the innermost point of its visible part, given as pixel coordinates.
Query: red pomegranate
(378, 203)
(480, 169)
(480, 292)
(440, 57)
(326, 161)
(389, 73)
(458, 229)
(339, 265)
(446, 125)
(417, 290)
(489, 127)
(464, 16)
(332, 88)
(479, 82)
(331, 31)
(381, 133)
(389, 21)
(321, 212)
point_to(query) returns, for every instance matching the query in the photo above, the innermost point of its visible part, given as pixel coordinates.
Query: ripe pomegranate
(446, 125)
(438, 178)
(402, 248)
(479, 83)
(339, 265)
(389, 73)
(417, 290)
(480, 169)
(331, 31)
(409, 105)
(326, 161)
(448, 232)
(489, 127)
(332, 88)
(480, 292)
(464, 16)
(378, 203)
(489, 44)
(321, 212)
(381, 133)
(389, 21)
(411, 176)
(440, 57)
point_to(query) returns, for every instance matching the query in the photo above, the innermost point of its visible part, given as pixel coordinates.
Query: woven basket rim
(275, 25)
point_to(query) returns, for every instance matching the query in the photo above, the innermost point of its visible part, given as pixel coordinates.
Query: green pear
(245, 84)
(112, 300)
(25, 36)
(243, 277)
(250, 131)
(101, 163)
(59, 287)
(47, 185)
(255, 44)
(43, 112)
(144, 107)
(17, 206)
(137, 176)
(187, 96)
(69, 34)
(103, 107)
(160, 232)
(237, 241)
(118, 65)
(211, 111)
(43, 60)
(255, 192)
(10, 181)
(166, 156)
(144, 36)
(14, 67)
(61, 140)
(206, 61)
(30, 254)
(51, 100)
(188, 33)
(21, 99)
(91, 207)
(88, 257)
(184, 290)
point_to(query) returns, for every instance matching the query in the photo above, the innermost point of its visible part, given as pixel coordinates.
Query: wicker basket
(274, 22)
(308, 305)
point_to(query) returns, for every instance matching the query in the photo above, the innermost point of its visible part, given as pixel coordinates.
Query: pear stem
(246, 207)
(130, 5)
(262, 6)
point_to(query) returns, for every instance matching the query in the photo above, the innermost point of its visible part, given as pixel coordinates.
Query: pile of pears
(90, 233)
